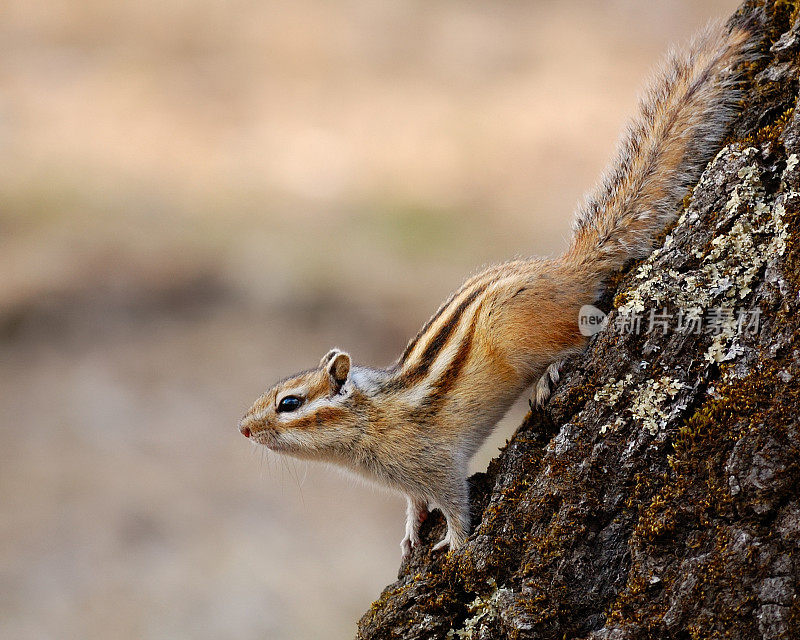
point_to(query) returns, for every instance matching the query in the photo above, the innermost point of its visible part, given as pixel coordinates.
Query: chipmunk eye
(289, 403)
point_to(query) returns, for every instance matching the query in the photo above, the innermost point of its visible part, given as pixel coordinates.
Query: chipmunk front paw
(416, 514)
(408, 543)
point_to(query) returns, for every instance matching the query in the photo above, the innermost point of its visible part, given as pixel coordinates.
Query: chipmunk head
(308, 414)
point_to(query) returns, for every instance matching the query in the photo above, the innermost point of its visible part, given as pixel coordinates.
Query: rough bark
(656, 496)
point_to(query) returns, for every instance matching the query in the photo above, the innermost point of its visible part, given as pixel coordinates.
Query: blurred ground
(200, 197)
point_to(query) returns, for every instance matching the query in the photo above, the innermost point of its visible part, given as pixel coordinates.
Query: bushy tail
(683, 116)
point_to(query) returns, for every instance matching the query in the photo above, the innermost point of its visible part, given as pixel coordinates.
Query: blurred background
(199, 197)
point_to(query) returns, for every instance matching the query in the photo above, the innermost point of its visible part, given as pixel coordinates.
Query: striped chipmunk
(415, 425)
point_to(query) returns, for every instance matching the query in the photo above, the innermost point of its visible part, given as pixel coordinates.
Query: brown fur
(415, 425)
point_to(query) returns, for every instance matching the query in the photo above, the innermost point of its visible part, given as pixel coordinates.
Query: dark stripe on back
(448, 378)
(491, 272)
(425, 328)
(439, 341)
(425, 413)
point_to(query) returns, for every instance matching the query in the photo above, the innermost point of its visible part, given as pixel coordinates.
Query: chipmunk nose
(244, 428)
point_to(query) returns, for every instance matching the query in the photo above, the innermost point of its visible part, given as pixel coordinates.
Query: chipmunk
(415, 425)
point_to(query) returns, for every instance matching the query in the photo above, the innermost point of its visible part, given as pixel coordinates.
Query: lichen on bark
(658, 493)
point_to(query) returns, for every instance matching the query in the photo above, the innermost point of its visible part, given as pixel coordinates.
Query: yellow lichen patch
(729, 264)
(612, 390)
(482, 609)
(649, 405)
(648, 401)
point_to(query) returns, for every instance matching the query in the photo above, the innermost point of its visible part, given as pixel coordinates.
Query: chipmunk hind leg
(455, 507)
(542, 328)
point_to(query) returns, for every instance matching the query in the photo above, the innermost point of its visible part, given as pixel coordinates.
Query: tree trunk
(658, 493)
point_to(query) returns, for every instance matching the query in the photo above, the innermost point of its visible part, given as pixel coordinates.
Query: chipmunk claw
(408, 544)
(452, 541)
(442, 544)
(416, 514)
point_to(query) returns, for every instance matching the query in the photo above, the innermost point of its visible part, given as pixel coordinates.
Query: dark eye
(289, 403)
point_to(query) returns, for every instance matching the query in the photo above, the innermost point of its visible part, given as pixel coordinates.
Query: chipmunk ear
(338, 368)
(329, 356)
